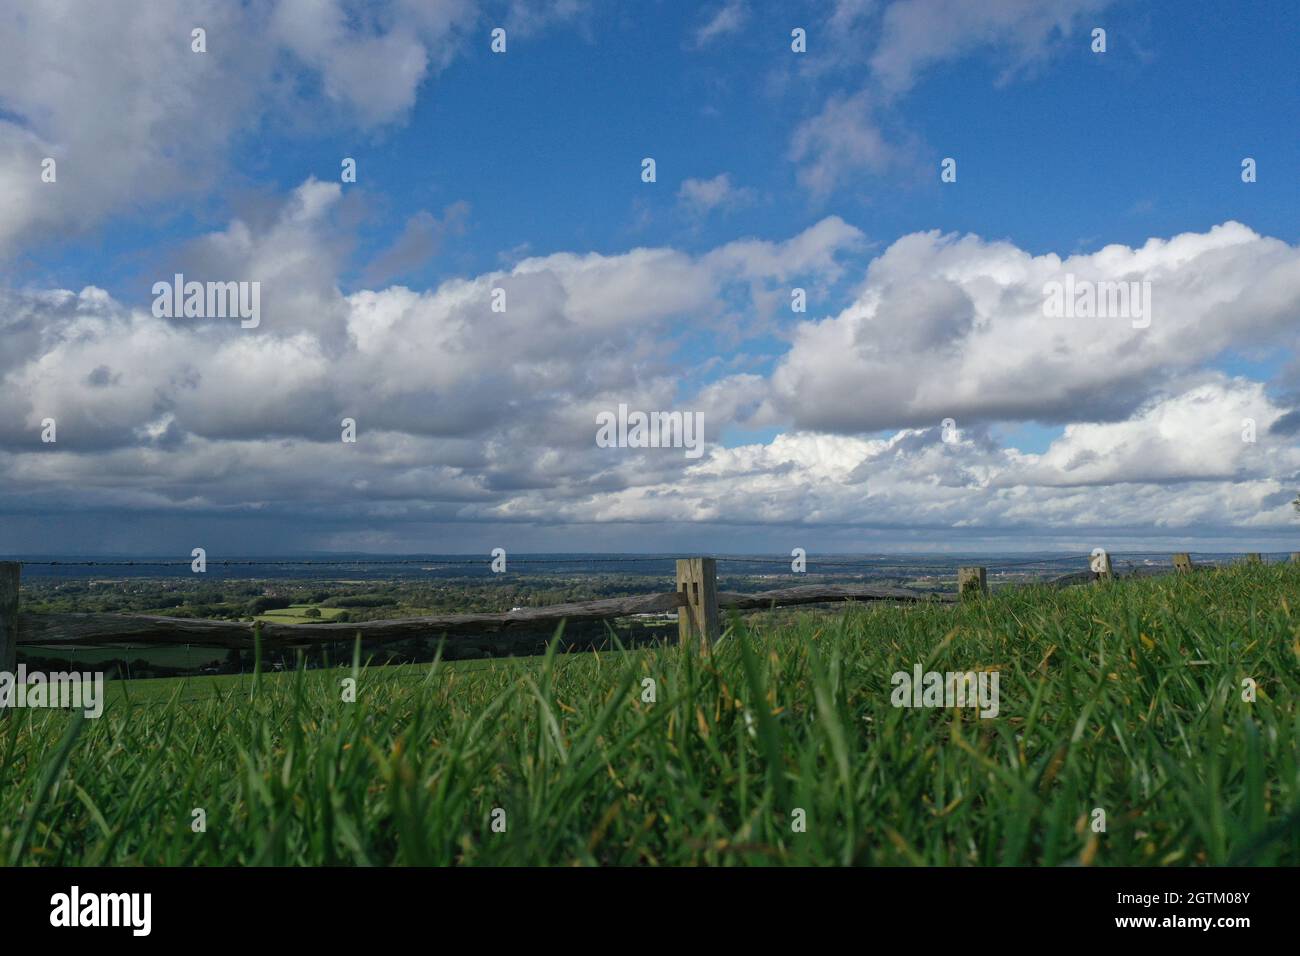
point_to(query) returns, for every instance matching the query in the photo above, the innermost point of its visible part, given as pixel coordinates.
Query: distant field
(296, 614)
(1123, 700)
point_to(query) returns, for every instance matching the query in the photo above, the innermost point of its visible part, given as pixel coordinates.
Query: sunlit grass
(1124, 697)
(297, 614)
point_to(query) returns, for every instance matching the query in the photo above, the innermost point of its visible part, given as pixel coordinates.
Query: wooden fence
(696, 600)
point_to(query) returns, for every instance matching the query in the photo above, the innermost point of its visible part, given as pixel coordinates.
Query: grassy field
(1125, 698)
(296, 614)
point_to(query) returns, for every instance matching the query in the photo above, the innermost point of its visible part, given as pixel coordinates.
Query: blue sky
(482, 162)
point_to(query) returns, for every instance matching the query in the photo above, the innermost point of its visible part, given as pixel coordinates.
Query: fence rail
(696, 601)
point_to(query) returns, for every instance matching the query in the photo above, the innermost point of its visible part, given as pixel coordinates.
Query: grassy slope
(1125, 697)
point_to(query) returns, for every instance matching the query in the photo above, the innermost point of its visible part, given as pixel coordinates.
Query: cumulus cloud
(579, 334)
(123, 128)
(132, 116)
(470, 415)
(1216, 431)
(369, 60)
(913, 483)
(955, 326)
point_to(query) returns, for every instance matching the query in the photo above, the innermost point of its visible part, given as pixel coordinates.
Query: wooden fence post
(9, 576)
(1106, 570)
(972, 583)
(697, 619)
(1183, 563)
(1254, 557)
(1295, 557)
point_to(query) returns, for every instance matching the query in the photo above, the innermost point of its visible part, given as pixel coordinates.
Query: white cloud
(859, 132)
(699, 197)
(372, 68)
(728, 18)
(124, 128)
(913, 483)
(916, 34)
(579, 333)
(1195, 435)
(133, 117)
(947, 326)
(472, 416)
(844, 138)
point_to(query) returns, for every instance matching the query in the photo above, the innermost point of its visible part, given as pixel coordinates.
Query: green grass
(1125, 697)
